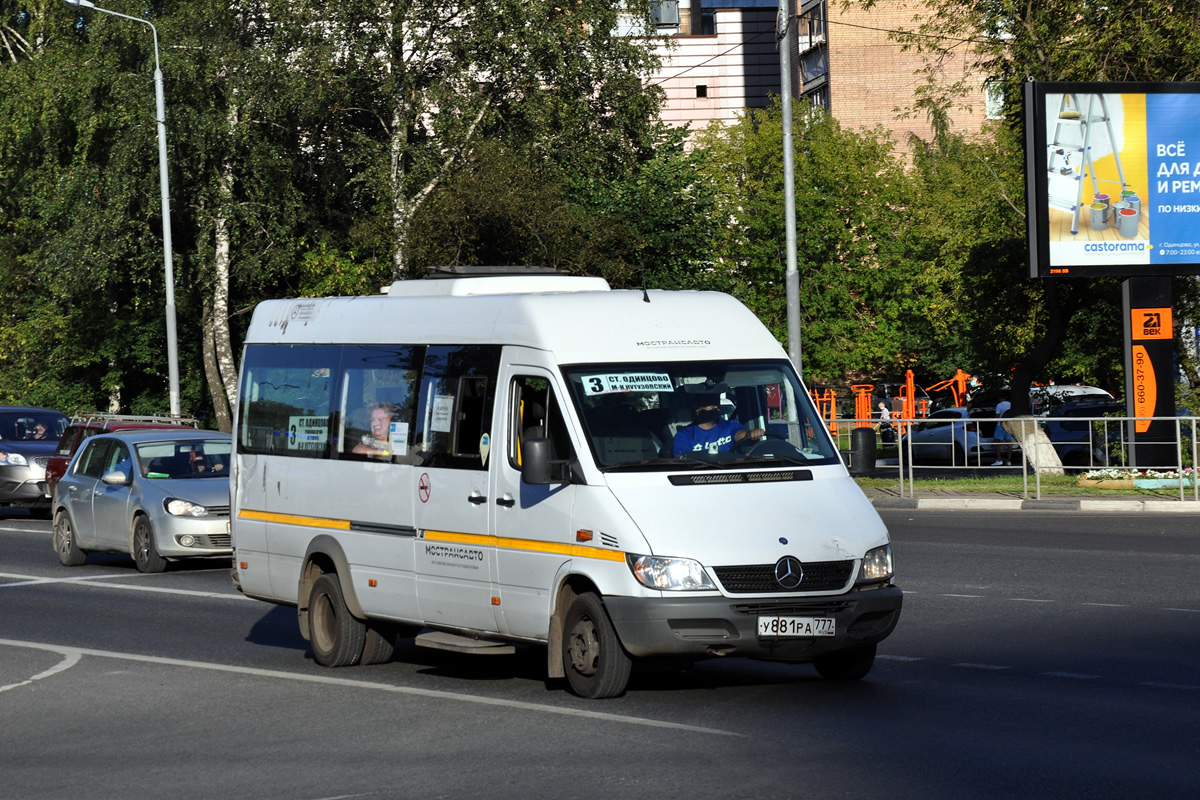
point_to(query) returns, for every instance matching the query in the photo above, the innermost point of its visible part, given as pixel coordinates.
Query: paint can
(1099, 211)
(1135, 203)
(1103, 198)
(1115, 218)
(1129, 223)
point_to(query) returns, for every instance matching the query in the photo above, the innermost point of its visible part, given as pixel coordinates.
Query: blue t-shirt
(694, 438)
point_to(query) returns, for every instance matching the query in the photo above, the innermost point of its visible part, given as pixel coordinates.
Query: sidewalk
(950, 500)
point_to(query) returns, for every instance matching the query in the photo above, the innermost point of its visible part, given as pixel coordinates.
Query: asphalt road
(1039, 655)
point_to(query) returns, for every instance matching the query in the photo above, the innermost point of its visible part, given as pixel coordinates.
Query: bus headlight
(669, 574)
(877, 565)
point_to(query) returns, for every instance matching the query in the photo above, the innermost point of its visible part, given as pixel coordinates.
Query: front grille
(218, 511)
(41, 461)
(214, 540)
(783, 609)
(819, 576)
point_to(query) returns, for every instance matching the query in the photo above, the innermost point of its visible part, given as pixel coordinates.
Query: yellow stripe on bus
(295, 519)
(483, 540)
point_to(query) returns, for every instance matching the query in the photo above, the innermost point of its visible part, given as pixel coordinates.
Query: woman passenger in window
(376, 442)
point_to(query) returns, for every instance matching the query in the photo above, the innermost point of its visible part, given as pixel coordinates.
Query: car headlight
(184, 508)
(13, 460)
(669, 574)
(877, 565)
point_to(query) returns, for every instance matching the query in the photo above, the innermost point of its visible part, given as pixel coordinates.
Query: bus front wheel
(337, 637)
(593, 659)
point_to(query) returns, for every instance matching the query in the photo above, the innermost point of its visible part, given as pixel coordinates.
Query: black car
(28, 437)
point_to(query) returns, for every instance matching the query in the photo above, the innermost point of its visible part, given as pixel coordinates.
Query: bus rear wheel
(593, 659)
(337, 637)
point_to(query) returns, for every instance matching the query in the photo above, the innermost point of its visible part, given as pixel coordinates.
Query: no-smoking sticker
(424, 487)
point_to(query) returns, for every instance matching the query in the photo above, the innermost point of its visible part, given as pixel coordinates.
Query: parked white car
(1047, 400)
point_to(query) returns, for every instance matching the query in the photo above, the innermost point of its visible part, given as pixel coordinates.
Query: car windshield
(34, 425)
(698, 414)
(193, 458)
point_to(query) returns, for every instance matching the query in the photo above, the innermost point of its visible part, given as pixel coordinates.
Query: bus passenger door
(454, 556)
(532, 523)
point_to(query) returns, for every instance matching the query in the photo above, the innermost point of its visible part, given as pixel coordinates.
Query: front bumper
(23, 486)
(211, 535)
(701, 627)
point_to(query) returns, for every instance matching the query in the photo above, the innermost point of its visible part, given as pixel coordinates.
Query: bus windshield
(698, 414)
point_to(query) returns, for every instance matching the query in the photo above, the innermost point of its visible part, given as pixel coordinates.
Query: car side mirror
(115, 478)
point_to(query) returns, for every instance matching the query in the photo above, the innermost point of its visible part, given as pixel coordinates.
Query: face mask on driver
(706, 415)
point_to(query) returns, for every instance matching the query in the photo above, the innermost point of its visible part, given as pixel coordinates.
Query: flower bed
(1135, 479)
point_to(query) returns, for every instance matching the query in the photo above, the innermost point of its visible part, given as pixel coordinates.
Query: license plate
(779, 627)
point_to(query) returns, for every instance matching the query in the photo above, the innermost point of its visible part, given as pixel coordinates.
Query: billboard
(1112, 178)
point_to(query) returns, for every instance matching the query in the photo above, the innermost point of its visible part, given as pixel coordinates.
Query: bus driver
(710, 433)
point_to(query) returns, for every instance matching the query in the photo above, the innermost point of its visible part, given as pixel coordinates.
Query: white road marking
(885, 657)
(25, 530)
(1162, 685)
(1073, 675)
(1107, 605)
(986, 667)
(963, 595)
(1028, 600)
(69, 660)
(379, 687)
(35, 580)
(1185, 610)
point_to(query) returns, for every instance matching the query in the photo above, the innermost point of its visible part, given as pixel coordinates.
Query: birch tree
(422, 81)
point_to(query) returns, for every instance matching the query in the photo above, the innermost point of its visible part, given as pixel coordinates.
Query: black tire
(69, 554)
(41, 513)
(593, 659)
(380, 643)
(337, 638)
(145, 554)
(847, 665)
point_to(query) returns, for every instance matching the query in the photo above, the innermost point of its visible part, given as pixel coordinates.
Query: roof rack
(153, 419)
(488, 271)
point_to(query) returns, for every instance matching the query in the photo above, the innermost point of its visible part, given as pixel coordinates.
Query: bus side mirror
(535, 461)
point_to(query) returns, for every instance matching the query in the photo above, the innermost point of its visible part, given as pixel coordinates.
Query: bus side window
(286, 400)
(535, 413)
(378, 376)
(454, 408)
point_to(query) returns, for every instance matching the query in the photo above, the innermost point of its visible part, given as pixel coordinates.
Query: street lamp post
(160, 103)
(792, 274)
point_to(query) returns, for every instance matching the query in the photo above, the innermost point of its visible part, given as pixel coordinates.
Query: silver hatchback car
(158, 495)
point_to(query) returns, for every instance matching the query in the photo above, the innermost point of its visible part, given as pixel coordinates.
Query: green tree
(432, 78)
(1032, 330)
(870, 301)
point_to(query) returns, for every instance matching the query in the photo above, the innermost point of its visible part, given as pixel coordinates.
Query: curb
(1018, 504)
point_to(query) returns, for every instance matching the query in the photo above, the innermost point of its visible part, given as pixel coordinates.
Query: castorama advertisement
(1113, 178)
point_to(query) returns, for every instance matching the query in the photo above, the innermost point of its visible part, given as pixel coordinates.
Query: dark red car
(84, 426)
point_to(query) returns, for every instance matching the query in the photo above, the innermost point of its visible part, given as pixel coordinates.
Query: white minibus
(490, 461)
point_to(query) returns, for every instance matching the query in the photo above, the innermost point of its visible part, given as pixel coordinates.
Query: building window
(701, 90)
(994, 100)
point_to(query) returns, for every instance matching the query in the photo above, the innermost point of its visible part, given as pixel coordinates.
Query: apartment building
(850, 67)
(725, 59)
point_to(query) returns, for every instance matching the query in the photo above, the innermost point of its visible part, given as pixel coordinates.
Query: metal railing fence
(1079, 444)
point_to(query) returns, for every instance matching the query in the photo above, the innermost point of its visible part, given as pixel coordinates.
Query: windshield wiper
(773, 457)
